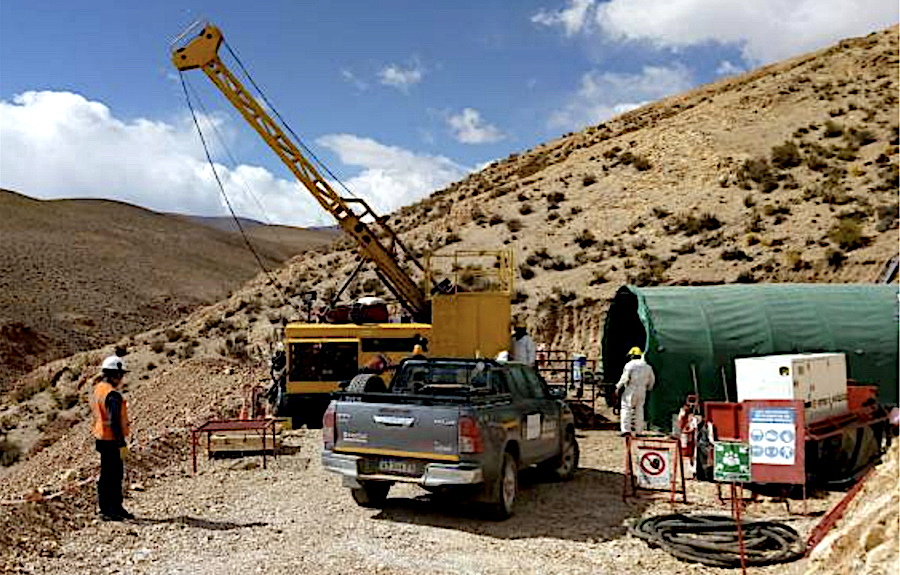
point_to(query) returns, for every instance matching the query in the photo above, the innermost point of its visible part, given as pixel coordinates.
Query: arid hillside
(787, 173)
(80, 273)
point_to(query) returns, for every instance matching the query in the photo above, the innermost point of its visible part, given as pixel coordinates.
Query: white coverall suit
(637, 379)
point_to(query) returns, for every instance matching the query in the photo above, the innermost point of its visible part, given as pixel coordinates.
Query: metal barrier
(582, 379)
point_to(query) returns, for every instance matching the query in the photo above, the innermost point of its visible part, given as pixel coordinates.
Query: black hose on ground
(713, 539)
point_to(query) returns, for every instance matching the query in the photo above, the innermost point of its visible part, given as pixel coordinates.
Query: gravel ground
(235, 517)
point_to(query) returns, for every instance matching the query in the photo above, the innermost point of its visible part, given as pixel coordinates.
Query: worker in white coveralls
(522, 346)
(637, 379)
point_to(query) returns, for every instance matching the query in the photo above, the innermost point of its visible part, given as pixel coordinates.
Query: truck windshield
(438, 378)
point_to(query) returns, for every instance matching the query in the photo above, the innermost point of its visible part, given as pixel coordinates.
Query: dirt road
(235, 517)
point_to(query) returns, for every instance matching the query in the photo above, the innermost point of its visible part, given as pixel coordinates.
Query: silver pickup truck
(449, 425)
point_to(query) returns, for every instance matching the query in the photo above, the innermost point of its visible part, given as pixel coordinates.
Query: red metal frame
(629, 484)
(213, 425)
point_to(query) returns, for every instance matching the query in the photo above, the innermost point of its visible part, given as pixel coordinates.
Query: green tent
(697, 332)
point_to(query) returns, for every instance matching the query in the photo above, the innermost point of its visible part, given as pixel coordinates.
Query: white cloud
(726, 68)
(604, 95)
(469, 128)
(401, 77)
(352, 78)
(391, 177)
(60, 144)
(573, 18)
(765, 30)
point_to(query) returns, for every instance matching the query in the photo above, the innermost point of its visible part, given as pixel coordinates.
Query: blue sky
(398, 97)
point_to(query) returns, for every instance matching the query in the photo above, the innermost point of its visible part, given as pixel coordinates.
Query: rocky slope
(787, 173)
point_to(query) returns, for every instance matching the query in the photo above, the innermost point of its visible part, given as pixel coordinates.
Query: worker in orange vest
(110, 429)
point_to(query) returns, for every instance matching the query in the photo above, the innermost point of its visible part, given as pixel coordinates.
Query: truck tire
(504, 489)
(371, 494)
(366, 383)
(567, 463)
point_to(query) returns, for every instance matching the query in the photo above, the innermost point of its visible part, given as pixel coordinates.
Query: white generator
(819, 379)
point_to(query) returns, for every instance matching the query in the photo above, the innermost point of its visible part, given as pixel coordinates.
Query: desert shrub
(582, 258)
(575, 210)
(771, 210)
(847, 154)
(173, 334)
(815, 161)
(514, 225)
(886, 216)
(452, 238)
(556, 197)
(151, 366)
(641, 163)
(525, 209)
(585, 239)
(736, 254)
(526, 272)
(690, 225)
(860, 137)
(832, 129)
(495, 219)
(553, 216)
(519, 297)
(749, 202)
(757, 170)
(10, 452)
(158, 346)
(796, 262)
(835, 258)
(746, 277)
(685, 248)
(786, 156)
(660, 213)
(598, 278)
(588, 180)
(847, 234)
(29, 390)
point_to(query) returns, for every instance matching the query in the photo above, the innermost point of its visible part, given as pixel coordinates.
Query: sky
(397, 98)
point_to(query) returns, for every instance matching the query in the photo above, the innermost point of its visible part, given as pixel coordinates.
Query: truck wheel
(366, 383)
(505, 489)
(567, 462)
(371, 494)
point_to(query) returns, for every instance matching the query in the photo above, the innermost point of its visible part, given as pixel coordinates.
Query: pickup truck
(462, 426)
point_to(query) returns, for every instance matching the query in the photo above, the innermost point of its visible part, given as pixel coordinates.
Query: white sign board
(773, 435)
(653, 467)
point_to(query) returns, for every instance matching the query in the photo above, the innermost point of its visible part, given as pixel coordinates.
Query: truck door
(532, 447)
(549, 407)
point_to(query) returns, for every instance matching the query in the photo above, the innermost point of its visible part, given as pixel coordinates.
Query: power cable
(713, 539)
(227, 150)
(284, 122)
(237, 221)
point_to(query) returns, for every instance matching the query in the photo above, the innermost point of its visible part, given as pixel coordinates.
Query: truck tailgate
(407, 431)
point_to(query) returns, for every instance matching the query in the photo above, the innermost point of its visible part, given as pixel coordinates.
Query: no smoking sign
(654, 467)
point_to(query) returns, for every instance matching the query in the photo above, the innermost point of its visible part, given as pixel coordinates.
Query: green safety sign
(731, 462)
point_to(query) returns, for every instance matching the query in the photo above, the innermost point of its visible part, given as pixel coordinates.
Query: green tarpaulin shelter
(697, 332)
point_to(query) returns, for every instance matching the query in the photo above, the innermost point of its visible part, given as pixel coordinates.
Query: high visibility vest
(102, 427)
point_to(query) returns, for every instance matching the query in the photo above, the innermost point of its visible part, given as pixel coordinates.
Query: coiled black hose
(713, 539)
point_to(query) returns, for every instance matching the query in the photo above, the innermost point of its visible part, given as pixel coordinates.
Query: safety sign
(654, 466)
(773, 435)
(731, 462)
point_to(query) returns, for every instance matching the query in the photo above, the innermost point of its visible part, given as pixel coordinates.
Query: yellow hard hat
(636, 351)
(417, 350)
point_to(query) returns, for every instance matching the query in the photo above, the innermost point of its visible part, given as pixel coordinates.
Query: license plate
(387, 466)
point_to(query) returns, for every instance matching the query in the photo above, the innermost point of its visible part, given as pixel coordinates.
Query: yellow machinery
(450, 323)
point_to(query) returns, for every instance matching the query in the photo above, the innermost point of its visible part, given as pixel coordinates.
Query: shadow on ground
(587, 508)
(197, 523)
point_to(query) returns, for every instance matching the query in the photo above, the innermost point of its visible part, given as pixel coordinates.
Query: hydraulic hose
(713, 539)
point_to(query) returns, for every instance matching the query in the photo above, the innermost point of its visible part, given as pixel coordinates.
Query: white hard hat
(503, 356)
(113, 363)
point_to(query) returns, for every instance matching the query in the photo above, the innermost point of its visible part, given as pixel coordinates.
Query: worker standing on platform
(637, 379)
(522, 346)
(110, 429)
